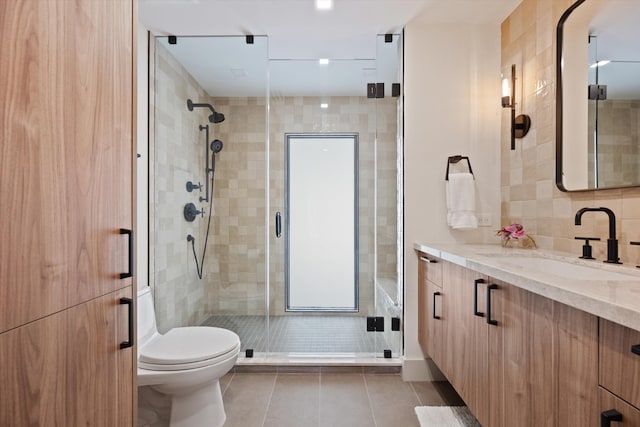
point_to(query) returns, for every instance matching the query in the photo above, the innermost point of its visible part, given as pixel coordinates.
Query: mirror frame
(559, 105)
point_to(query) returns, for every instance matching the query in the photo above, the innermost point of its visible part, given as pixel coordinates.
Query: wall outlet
(484, 220)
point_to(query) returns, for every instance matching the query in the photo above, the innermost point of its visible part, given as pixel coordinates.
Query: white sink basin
(567, 269)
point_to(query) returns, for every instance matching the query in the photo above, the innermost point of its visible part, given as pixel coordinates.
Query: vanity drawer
(609, 403)
(619, 366)
(431, 267)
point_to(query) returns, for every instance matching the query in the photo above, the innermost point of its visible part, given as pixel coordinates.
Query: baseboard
(421, 370)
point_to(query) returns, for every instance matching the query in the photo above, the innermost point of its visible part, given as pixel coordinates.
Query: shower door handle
(278, 225)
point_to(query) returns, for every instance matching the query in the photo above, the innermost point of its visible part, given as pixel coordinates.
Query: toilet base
(202, 407)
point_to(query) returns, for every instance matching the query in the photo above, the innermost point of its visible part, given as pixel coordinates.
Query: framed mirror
(598, 96)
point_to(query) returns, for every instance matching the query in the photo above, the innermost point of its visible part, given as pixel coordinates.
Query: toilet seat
(188, 348)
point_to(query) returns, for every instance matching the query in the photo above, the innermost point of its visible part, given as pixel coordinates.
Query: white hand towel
(461, 201)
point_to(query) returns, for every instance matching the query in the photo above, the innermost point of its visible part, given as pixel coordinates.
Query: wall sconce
(519, 125)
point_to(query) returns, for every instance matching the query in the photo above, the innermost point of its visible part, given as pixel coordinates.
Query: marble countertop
(615, 300)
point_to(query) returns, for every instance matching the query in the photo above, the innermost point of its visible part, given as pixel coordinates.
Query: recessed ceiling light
(324, 105)
(324, 4)
(323, 61)
(600, 63)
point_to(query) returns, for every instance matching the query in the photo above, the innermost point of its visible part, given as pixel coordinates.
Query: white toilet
(185, 364)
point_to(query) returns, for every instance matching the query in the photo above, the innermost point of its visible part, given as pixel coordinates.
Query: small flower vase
(524, 243)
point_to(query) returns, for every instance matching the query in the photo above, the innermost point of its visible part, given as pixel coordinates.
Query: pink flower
(515, 232)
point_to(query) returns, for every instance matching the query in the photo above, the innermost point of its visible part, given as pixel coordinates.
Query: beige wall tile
(534, 21)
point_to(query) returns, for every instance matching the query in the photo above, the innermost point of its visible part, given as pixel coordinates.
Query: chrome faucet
(612, 242)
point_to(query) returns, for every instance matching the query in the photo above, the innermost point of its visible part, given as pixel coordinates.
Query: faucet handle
(586, 248)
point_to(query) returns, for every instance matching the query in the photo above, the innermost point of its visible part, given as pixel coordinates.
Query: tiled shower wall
(618, 142)
(179, 157)
(529, 194)
(234, 268)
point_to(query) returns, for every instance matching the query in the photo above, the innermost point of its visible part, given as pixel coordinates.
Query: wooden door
(467, 337)
(619, 364)
(66, 123)
(576, 345)
(522, 375)
(431, 317)
(67, 369)
(66, 169)
(423, 307)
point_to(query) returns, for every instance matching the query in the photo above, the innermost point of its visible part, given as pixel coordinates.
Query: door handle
(607, 417)
(131, 253)
(635, 349)
(278, 225)
(475, 298)
(490, 321)
(435, 294)
(129, 342)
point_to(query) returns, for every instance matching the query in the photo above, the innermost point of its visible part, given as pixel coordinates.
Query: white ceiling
(298, 33)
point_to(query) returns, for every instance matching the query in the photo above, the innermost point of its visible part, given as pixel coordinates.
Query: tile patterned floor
(330, 397)
(303, 334)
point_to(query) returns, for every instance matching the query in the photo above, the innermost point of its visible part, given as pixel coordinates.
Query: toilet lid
(189, 344)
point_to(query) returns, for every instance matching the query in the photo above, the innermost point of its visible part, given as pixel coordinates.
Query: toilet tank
(146, 317)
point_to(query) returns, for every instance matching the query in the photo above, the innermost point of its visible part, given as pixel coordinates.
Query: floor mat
(446, 416)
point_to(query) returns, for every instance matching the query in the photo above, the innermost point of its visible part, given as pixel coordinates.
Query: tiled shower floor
(303, 334)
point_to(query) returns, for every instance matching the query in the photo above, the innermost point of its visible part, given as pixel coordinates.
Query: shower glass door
(325, 103)
(210, 155)
(388, 197)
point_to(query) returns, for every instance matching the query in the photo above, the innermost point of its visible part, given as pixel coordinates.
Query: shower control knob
(190, 212)
(191, 186)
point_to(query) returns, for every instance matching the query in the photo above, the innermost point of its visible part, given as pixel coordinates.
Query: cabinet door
(466, 337)
(522, 363)
(68, 369)
(423, 306)
(430, 314)
(436, 318)
(619, 366)
(66, 115)
(629, 414)
(577, 371)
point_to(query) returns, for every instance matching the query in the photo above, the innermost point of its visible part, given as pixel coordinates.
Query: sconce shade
(506, 92)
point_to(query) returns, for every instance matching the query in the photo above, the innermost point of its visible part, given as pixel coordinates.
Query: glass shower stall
(279, 182)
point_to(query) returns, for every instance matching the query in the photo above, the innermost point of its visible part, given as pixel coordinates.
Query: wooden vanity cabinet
(533, 362)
